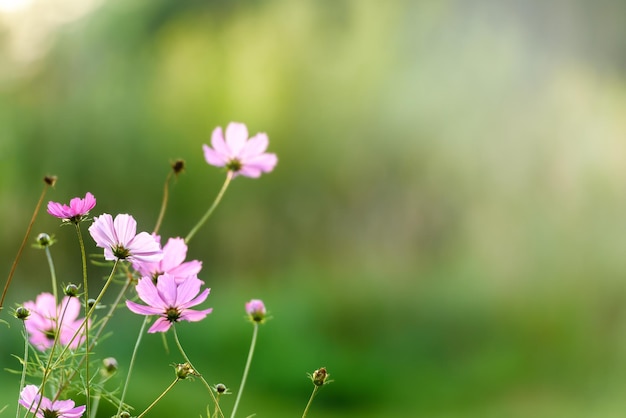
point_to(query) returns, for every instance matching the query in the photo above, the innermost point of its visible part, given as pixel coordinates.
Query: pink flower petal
(217, 141)
(255, 146)
(194, 316)
(142, 309)
(236, 136)
(125, 228)
(213, 157)
(160, 325)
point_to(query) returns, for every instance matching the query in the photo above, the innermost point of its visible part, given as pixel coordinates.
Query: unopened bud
(71, 290)
(256, 310)
(110, 365)
(91, 302)
(123, 415)
(178, 166)
(320, 376)
(22, 313)
(221, 388)
(50, 180)
(184, 370)
(44, 240)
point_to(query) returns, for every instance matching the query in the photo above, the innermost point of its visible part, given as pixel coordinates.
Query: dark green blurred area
(445, 229)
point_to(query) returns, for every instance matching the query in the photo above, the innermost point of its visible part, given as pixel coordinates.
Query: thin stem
(159, 398)
(246, 369)
(105, 320)
(49, 366)
(182, 351)
(229, 177)
(21, 249)
(132, 363)
(86, 301)
(52, 274)
(306, 410)
(91, 311)
(166, 194)
(25, 364)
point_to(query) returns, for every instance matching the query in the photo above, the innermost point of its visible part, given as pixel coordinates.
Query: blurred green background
(445, 229)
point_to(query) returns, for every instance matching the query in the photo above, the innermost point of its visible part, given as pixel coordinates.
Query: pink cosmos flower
(242, 156)
(76, 211)
(30, 398)
(119, 239)
(170, 301)
(42, 324)
(173, 262)
(256, 310)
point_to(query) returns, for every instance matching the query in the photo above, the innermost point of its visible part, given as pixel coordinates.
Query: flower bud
(110, 366)
(178, 166)
(123, 415)
(184, 370)
(44, 240)
(221, 388)
(256, 310)
(91, 302)
(21, 313)
(320, 376)
(50, 180)
(71, 290)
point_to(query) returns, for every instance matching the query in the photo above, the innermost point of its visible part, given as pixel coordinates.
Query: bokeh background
(445, 230)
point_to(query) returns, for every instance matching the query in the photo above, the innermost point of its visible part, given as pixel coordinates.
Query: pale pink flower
(170, 301)
(173, 262)
(76, 211)
(43, 323)
(242, 156)
(30, 398)
(119, 239)
(256, 310)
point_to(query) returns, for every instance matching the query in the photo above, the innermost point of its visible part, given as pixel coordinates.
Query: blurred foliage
(444, 230)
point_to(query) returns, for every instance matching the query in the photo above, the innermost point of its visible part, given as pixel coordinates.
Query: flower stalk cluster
(156, 281)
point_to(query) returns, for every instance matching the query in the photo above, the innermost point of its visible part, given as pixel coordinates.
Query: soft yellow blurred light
(10, 6)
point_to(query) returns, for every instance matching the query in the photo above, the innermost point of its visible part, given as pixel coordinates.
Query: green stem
(164, 202)
(91, 311)
(182, 351)
(25, 364)
(86, 299)
(105, 320)
(306, 410)
(229, 177)
(246, 369)
(49, 366)
(52, 274)
(132, 363)
(21, 249)
(159, 398)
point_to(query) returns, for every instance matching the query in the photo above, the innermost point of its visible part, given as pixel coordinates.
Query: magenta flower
(119, 239)
(76, 211)
(30, 398)
(242, 156)
(173, 262)
(43, 323)
(256, 310)
(170, 301)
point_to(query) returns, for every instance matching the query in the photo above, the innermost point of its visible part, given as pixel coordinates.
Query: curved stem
(306, 410)
(163, 203)
(91, 311)
(246, 369)
(52, 274)
(182, 351)
(229, 177)
(23, 379)
(86, 302)
(159, 398)
(21, 249)
(132, 363)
